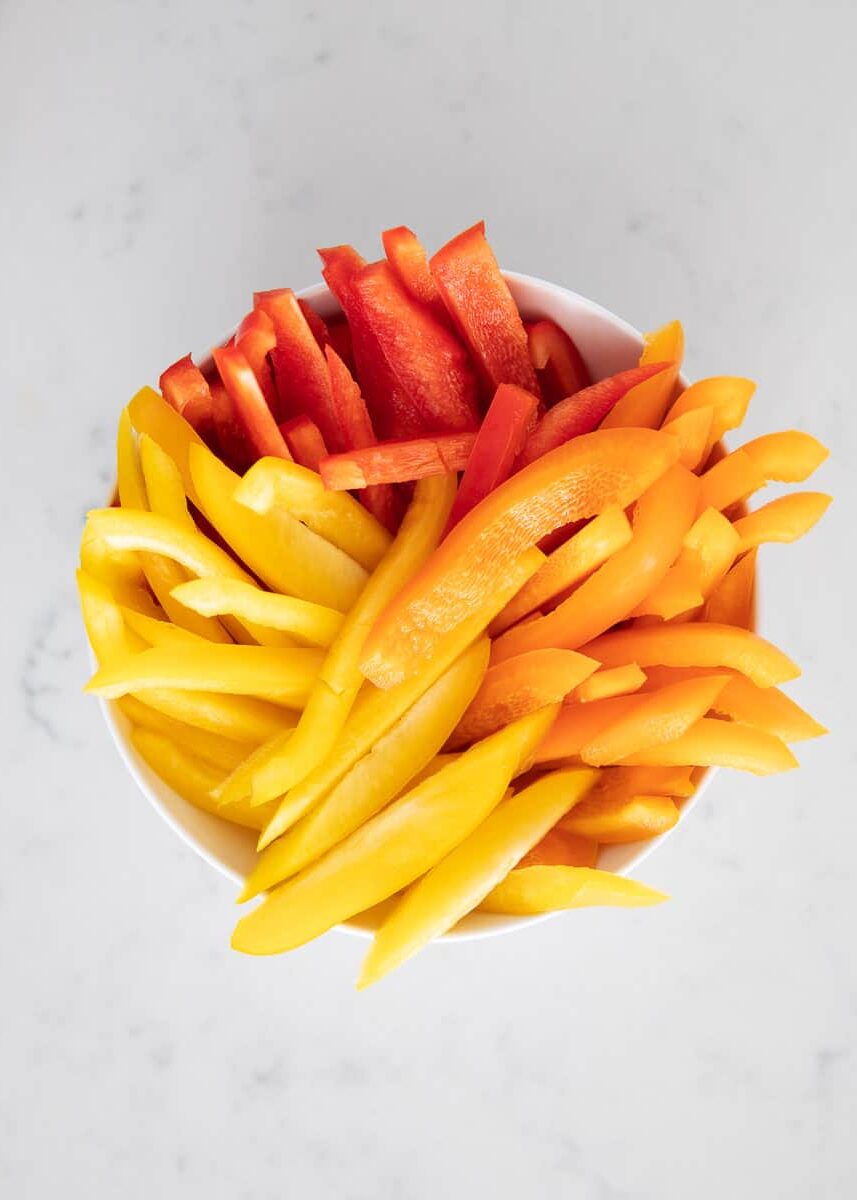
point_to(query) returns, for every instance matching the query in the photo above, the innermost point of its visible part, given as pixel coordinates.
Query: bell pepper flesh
(715, 743)
(471, 870)
(313, 623)
(693, 430)
(613, 819)
(498, 443)
(397, 462)
(732, 479)
(728, 395)
(255, 338)
(577, 480)
(551, 889)
(733, 600)
(645, 781)
(782, 520)
(156, 632)
(184, 388)
(254, 416)
(559, 365)
(614, 681)
(577, 724)
(219, 752)
(317, 324)
(304, 440)
(560, 849)
(407, 257)
(339, 340)
(644, 405)
(396, 846)
(678, 594)
(787, 457)
(480, 304)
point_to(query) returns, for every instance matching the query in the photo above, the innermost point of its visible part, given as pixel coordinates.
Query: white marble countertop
(159, 162)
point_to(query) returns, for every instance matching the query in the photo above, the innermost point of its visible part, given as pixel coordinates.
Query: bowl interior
(608, 345)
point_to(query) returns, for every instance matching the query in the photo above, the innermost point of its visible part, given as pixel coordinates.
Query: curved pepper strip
(614, 818)
(560, 368)
(156, 632)
(313, 623)
(574, 481)
(708, 552)
(560, 849)
(693, 430)
(787, 457)
(222, 753)
(164, 488)
(782, 520)
(550, 889)
(644, 405)
(407, 256)
(471, 870)
(577, 724)
(728, 395)
(732, 479)
(715, 743)
(614, 681)
(661, 519)
(733, 601)
(248, 403)
(395, 761)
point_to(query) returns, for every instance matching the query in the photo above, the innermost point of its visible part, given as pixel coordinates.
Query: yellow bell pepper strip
(120, 571)
(221, 753)
(656, 717)
(111, 640)
(549, 889)
(788, 457)
(239, 784)
(575, 481)
(312, 623)
(518, 686)
(614, 819)
(693, 430)
(662, 517)
(615, 681)
(645, 405)
(733, 601)
(395, 847)
(782, 520)
(377, 710)
(284, 676)
(191, 777)
(285, 554)
(340, 679)
(577, 724)
(471, 870)
(152, 415)
(335, 516)
(576, 558)
(164, 488)
(158, 633)
(715, 743)
(732, 479)
(696, 645)
(129, 474)
(394, 762)
(729, 397)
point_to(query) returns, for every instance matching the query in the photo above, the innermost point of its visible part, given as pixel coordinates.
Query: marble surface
(159, 162)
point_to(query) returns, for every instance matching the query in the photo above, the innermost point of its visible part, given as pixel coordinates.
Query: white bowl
(608, 344)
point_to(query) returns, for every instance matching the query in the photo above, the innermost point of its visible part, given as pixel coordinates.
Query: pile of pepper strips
(522, 637)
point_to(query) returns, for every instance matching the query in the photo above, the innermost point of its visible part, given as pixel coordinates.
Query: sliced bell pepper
(614, 819)
(614, 681)
(317, 323)
(335, 516)
(184, 387)
(646, 781)
(715, 743)
(577, 724)
(395, 847)
(427, 360)
(339, 340)
(574, 481)
(377, 711)
(150, 414)
(768, 709)
(222, 752)
(693, 430)
(678, 593)
(583, 411)
(498, 443)
(560, 368)
(156, 632)
(109, 637)
(549, 889)
(733, 601)
(478, 299)
(407, 256)
(708, 552)
(254, 416)
(782, 520)
(164, 488)
(787, 457)
(518, 686)
(645, 404)
(393, 763)
(560, 849)
(304, 440)
(566, 566)
(661, 519)
(397, 462)
(255, 338)
(730, 480)
(242, 718)
(696, 645)
(450, 890)
(312, 623)
(233, 445)
(339, 678)
(728, 395)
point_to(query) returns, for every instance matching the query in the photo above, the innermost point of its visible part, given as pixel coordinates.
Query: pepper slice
(243, 389)
(733, 600)
(644, 405)
(313, 623)
(612, 681)
(693, 430)
(549, 889)
(481, 306)
(559, 364)
(255, 338)
(559, 848)
(728, 395)
(574, 481)
(397, 462)
(782, 520)
(304, 440)
(408, 258)
(715, 743)
(616, 818)
(184, 387)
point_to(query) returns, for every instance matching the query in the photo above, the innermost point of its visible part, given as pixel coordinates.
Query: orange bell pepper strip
(560, 368)
(715, 743)
(787, 457)
(696, 645)
(396, 761)
(304, 441)
(729, 397)
(312, 623)
(732, 479)
(656, 717)
(614, 818)
(427, 360)
(481, 306)
(558, 848)
(708, 552)
(498, 444)
(377, 711)
(767, 709)
(550, 889)
(254, 416)
(575, 481)
(566, 566)
(603, 684)
(646, 781)
(693, 429)
(518, 686)
(733, 601)
(184, 387)
(397, 462)
(583, 411)
(471, 870)
(645, 405)
(407, 256)
(662, 517)
(782, 520)
(577, 724)
(255, 338)
(679, 592)
(395, 847)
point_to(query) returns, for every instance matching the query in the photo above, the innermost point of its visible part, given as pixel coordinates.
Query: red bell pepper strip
(355, 423)
(393, 415)
(303, 383)
(232, 443)
(253, 413)
(184, 387)
(498, 444)
(478, 299)
(583, 412)
(406, 255)
(559, 364)
(304, 440)
(255, 338)
(398, 462)
(339, 337)
(426, 359)
(317, 324)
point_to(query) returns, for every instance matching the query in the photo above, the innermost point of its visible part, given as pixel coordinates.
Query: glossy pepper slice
(645, 405)
(313, 623)
(407, 256)
(714, 743)
(185, 388)
(782, 520)
(610, 681)
(397, 462)
(575, 481)
(733, 601)
(222, 752)
(559, 364)
(549, 889)
(317, 324)
(482, 308)
(255, 338)
(616, 818)
(304, 440)
(560, 848)
(727, 395)
(249, 404)
(693, 430)
(787, 457)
